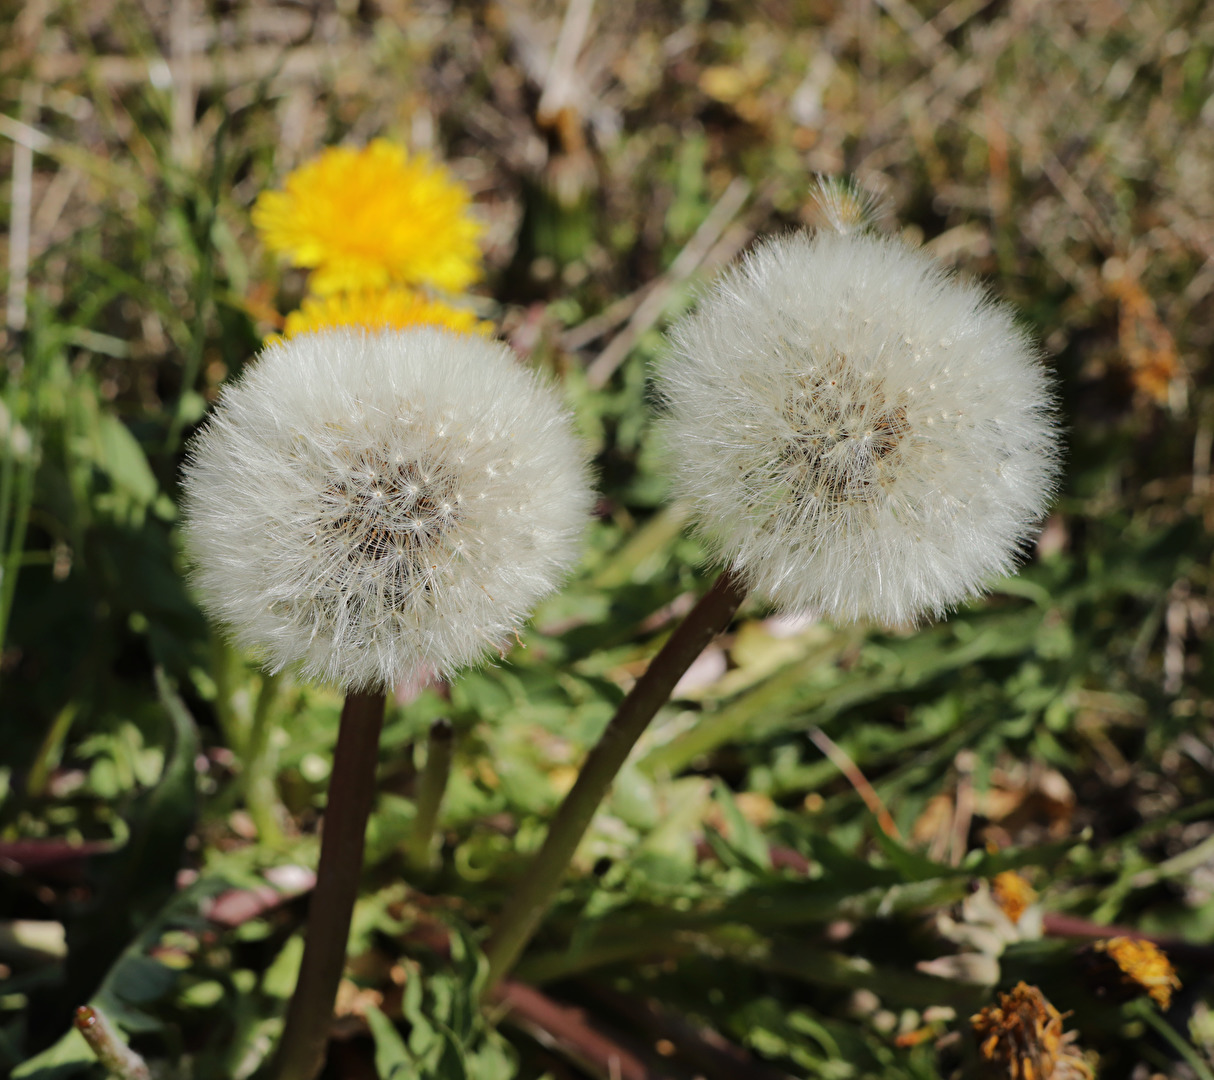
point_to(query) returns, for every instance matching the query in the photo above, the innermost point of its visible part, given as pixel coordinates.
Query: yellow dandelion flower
(368, 218)
(1013, 894)
(380, 308)
(1142, 966)
(1021, 1038)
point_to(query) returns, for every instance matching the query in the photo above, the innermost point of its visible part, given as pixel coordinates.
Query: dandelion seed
(367, 218)
(858, 433)
(845, 206)
(325, 513)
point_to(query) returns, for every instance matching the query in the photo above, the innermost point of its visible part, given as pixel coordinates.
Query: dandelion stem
(431, 787)
(351, 792)
(539, 885)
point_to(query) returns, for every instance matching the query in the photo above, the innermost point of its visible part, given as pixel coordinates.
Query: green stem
(431, 786)
(48, 754)
(17, 474)
(261, 795)
(1176, 1040)
(351, 793)
(231, 725)
(542, 880)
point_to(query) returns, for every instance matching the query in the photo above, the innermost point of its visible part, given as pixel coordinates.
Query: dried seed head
(857, 431)
(1127, 968)
(1021, 1038)
(377, 505)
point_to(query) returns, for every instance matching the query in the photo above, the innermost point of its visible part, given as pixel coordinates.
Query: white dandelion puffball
(860, 433)
(376, 506)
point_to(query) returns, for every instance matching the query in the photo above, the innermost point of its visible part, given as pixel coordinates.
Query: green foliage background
(736, 882)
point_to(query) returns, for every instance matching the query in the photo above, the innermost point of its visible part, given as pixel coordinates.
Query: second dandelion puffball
(374, 507)
(860, 433)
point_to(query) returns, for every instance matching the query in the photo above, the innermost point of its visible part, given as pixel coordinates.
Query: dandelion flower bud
(859, 432)
(374, 506)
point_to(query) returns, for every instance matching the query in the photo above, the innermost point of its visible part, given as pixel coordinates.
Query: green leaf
(142, 876)
(910, 864)
(742, 837)
(391, 1053)
(282, 975)
(70, 1056)
(121, 456)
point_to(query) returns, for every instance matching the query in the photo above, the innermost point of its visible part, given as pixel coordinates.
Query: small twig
(557, 83)
(838, 757)
(51, 858)
(1076, 198)
(20, 212)
(964, 814)
(1203, 445)
(1054, 924)
(25, 135)
(118, 1058)
(705, 1049)
(220, 67)
(565, 1027)
(185, 96)
(617, 312)
(651, 307)
(922, 33)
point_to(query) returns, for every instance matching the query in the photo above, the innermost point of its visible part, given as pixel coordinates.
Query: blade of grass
(1176, 1041)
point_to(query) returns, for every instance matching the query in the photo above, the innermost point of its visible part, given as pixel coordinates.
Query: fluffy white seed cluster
(860, 433)
(376, 506)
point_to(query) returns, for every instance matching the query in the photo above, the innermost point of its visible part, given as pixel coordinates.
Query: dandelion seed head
(355, 506)
(860, 433)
